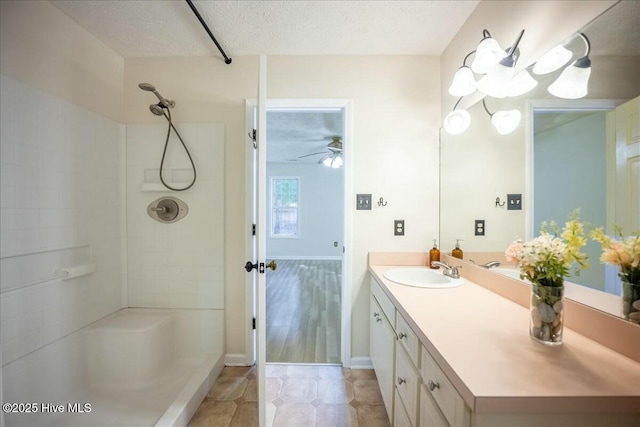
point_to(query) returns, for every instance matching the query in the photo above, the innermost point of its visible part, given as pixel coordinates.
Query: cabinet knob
(401, 381)
(432, 386)
(376, 314)
(378, 319)
(402, 335)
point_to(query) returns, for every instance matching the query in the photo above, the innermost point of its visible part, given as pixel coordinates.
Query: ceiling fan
(332, 156)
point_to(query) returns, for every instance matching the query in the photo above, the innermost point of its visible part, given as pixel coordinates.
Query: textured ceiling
(169, 28)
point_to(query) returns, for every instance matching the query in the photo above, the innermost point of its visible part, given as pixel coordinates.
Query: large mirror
(558, 158)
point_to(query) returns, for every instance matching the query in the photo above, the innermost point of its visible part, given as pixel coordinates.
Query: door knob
(272, 265)
(250, 266)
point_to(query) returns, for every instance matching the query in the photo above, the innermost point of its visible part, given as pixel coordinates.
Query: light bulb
(457, 121)
(521, 83)
(463, 83)
(573, 81)
(488, 54)
(552, 60)
(506, 122)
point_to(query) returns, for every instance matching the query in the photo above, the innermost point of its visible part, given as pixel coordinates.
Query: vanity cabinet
(415, 391)
(381, 346)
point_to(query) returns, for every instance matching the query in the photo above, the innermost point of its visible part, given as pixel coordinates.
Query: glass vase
(546, 314)
(630, 300)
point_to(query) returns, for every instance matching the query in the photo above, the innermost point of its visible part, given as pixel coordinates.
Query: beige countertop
(481, 342)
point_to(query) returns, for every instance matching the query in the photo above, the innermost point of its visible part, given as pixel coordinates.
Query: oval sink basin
(421, 277)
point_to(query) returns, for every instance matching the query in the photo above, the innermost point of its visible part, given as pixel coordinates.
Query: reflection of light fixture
(457, 121)
(552, 60)
(463, 83)
(496, 82)
(505, 121)
(333, 160)
(521, 83)
(573, 81)
(488, 54)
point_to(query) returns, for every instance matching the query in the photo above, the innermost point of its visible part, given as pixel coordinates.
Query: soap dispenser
(434, 254)
(457, 252)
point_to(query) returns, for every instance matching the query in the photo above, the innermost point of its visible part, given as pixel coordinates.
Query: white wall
(181, 264)
(321, 211)
(569, 173)
(61, 207)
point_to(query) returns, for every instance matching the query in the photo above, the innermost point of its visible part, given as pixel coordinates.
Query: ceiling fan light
(337, 162)
(488, 54)
(521, 84)
(506, 121)
(457, 122)
(463, 83)
(496, 82)
(552, 60)
(573, 82)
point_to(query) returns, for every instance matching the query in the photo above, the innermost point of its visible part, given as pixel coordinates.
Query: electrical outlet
(514, 202)
(398, 227)
(479, 227)
(363, 202)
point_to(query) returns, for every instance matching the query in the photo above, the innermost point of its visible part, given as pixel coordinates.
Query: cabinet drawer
(384, 301)
(400, 417)
(430, 415)
(408, 340)
(407, 383)
(447, 398)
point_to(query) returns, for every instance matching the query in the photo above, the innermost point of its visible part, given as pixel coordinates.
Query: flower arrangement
(624, 253)
(545, 260)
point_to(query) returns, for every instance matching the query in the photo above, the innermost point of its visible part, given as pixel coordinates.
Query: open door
(256, 250)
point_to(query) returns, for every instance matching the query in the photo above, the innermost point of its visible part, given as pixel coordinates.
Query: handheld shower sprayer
(164, 103)
(159, 110)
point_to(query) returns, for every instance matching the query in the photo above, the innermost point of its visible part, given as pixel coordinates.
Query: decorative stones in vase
(630, 301)
(546, 314)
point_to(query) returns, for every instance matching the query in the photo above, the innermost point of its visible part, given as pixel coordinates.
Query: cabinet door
(430, 415)
(381, 348)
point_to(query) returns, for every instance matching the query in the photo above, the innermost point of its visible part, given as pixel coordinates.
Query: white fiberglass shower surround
(102, 305)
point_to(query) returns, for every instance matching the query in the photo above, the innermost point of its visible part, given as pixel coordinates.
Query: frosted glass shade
(488, 54)
(521, 83)
(552, 60)
(457, 122)
(506, 122)
(572, 83)
(496, 82)
(463, 83)
(332, 161)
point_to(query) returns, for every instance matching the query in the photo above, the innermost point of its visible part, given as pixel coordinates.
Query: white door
(628, 166)
(256, 243)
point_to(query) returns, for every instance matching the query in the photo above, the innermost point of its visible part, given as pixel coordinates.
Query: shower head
(163, 102)
(156, 109)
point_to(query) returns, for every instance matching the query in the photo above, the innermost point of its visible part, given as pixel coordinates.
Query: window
(285, 207)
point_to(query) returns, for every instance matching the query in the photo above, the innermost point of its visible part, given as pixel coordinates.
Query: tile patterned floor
(297, 396)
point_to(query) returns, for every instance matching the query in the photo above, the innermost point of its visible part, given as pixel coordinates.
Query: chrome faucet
(447, 270)
(488, 265)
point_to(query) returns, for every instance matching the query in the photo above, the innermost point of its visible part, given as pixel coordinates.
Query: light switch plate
(514, 202)
(363, 202)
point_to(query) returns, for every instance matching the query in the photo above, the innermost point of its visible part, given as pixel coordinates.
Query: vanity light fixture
(497, 80)
(521, 83)
(552, 60)
(464, 83)
(573, 81)
(488, 54)
(457, 121)
(505, 121)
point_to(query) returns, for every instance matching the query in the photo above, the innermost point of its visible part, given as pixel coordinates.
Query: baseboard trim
(235, 359)
(361, 363)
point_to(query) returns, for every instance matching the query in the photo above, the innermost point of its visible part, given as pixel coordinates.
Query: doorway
(305, 220)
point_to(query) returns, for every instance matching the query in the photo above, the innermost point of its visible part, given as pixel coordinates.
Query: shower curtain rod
(227, 60)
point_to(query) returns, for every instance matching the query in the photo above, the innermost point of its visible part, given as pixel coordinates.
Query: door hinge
(253, 323)
(253, 229)
(254, 137)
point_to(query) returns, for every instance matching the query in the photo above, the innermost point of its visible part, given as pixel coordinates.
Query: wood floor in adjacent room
(303, 311)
